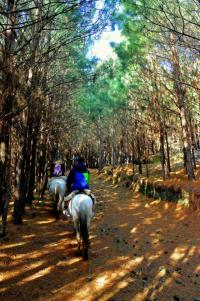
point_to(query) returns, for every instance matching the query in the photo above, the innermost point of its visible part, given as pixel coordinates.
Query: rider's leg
(70, 196)
(66, 203)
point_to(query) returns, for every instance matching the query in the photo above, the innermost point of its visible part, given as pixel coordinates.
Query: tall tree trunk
(157, 103)
(146, 152)
(100, 160)
(30, 120)
(20, 187)
(180, 93)
(43, 168)
(133, 152)
(29, 198)
(193, 141)
(112, 146)
(168, 155)
(8, 98)
(139, 155)
(162, 151)
(27, 167)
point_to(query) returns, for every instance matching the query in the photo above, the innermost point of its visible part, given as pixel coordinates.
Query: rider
(58, 169)
(78, 180)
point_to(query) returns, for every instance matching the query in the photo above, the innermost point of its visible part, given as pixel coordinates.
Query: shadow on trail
(140, 250)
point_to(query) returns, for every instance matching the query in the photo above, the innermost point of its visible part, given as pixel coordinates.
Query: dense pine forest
(139, 108)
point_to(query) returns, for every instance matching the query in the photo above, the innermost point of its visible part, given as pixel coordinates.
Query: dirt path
(140, 250)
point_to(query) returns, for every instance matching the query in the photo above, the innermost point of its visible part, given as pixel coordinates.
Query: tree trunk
(180, 93)
(193, 142)
(162, 151)
(29, 198)
(146, 156)
(100, 160)
(133, 151)
(168, 155)
(19, 193)
(112, 146)
(7, 106)
(139, 155)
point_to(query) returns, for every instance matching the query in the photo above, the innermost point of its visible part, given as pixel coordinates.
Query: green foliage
(104, 96)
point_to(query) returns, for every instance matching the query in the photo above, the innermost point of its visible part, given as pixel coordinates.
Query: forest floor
(141, 249)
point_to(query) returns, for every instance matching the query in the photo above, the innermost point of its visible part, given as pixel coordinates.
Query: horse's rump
(81, 205)
(57, 188)
(81, 210)
(57, 185)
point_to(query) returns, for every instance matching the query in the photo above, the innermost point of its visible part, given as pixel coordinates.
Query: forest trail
(141, 249)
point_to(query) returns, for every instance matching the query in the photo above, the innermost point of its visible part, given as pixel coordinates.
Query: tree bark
(8, 98)
(139, 155)
(193, 141)
(168, 154)
(180, 93)
(162, 151)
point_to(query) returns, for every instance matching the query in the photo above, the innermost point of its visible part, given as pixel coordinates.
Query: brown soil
(141, 249)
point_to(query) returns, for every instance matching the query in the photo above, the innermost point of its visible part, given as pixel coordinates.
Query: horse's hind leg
(78, 236)
(84, 235)
(60, 203)
(85, 249)
(55, 205)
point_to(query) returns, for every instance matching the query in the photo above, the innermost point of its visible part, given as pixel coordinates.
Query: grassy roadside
(177, 188)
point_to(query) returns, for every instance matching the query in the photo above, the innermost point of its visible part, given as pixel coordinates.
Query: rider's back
(79, 178)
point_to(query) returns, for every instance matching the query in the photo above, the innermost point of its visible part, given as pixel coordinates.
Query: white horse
(57, 189)
(81, 209)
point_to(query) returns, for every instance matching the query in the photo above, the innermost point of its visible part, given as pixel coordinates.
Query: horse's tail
(84, 235)
(56, 194)
(55, 200)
